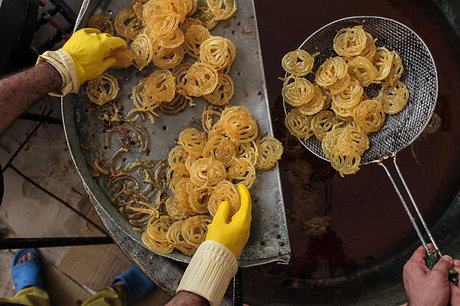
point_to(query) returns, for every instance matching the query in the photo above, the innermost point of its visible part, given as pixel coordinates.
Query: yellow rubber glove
(89, 50)
(234, 234)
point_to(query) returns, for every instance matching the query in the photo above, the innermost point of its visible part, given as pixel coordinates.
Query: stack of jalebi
(163, 32)
(208, 161)
(207, 164)
(335, 107)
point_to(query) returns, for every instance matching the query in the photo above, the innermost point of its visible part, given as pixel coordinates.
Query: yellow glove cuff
(63, 63)
(209, 272)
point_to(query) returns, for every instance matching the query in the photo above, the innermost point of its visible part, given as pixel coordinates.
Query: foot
(27, 269)
(137, 284)
(28, 256)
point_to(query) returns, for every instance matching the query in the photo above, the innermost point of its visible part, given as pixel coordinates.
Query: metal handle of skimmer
(432, 255)
(406, 208)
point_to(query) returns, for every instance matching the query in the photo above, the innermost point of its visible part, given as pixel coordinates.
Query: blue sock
(137, 284)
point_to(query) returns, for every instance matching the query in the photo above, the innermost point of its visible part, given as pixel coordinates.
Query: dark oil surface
(367, 223)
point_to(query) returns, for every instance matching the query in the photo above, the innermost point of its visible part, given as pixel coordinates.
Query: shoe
(28, 273)
(137, 284)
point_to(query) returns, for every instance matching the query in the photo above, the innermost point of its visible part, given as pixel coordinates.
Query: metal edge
(286, 257)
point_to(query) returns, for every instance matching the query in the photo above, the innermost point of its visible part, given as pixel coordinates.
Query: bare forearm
(185, 298)
(19, 91)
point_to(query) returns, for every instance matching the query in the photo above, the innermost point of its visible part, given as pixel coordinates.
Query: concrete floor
(73, 273)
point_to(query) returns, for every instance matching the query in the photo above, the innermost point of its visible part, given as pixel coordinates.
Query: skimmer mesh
(419, 76)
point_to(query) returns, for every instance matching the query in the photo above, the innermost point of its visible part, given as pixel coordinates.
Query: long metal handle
(412, 219)
(238, 288)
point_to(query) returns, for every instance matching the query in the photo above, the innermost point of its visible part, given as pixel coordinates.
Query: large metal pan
(269, 240)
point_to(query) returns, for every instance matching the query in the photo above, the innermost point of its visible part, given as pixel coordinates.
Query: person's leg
(126, 288)
(27, 271)
(109, 296)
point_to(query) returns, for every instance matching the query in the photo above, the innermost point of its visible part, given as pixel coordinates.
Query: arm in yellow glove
(215, 262)
(83, 57)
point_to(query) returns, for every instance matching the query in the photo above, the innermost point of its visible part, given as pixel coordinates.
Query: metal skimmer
(403, 128)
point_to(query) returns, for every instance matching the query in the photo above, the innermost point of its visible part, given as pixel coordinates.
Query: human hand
(424, 286)
(234, 234)
(90, 51)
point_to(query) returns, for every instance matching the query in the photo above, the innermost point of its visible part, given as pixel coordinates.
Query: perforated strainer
(419, 76)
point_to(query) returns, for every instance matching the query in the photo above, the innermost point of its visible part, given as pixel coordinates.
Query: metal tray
(269, 240)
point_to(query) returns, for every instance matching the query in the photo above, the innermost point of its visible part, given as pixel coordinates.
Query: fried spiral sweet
(393, 98)
(370, 49)
(178, 104)
(243, 171)
(194, 229)
(369, 115)
(154, 237)
(189, 22)
(171, 40)
(138, 7)
(298, 62)
(198, 197)
(339, 85)
(322, 123)
(179, 72)
(202, 79)
(207, 172)
(350, 42)
(350, 97)
(331, 71)
(218, 52)
(220, 148)
(142, 100)
(316, 104)
(363, 70)
(396, 70)
(224, 191)
(298, 124)
(249, 150)
(176, 156)
(270, 150)
(345, 159)
(123, 56)
(238, 125)
(224, 91)
(160, 17)
(167, 58)
(383, 60)
(160, 85)
(205, 15)
(330, 140)
(102, 89)
(192, 140)
(175, 210)
(174, 235)
(194, 37)
(297, 91)
(127, 24)
(222, 9)
(355, 137)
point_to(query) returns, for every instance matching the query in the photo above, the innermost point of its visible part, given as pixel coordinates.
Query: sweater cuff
(209, 272)
(63, 63)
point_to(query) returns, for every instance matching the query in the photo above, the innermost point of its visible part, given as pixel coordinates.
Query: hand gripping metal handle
(432, 255)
